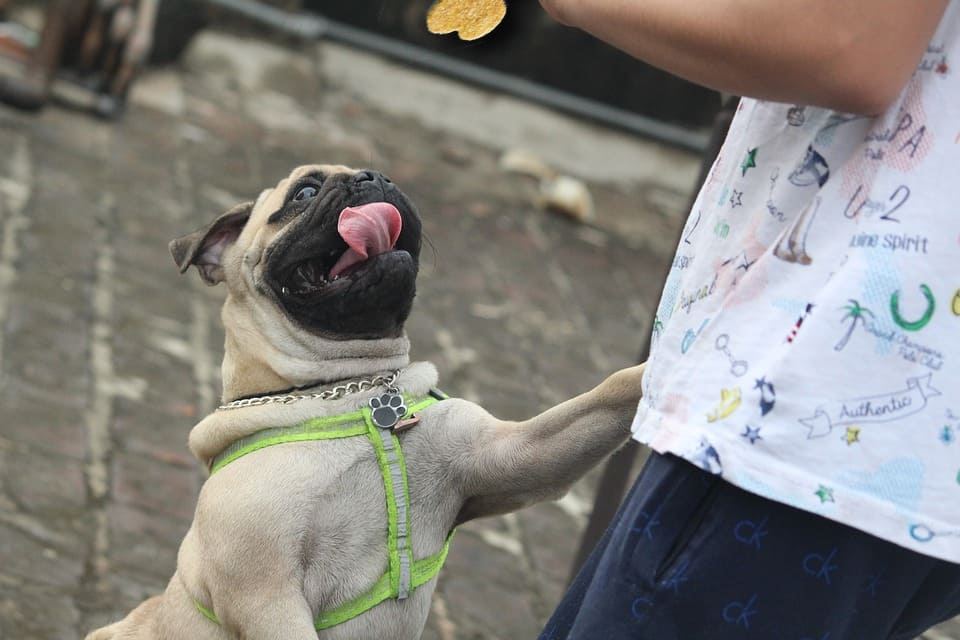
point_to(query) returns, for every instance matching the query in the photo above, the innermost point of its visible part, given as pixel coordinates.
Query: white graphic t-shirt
(807, 345)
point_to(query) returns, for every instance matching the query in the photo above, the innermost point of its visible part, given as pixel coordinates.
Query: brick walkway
(108, 357)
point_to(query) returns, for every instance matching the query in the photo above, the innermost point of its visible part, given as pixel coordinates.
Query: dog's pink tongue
(369, 230)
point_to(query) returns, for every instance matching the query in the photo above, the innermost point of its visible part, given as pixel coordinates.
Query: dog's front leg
(508, 465)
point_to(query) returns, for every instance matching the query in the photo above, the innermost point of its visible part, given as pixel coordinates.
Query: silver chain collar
(333, 393)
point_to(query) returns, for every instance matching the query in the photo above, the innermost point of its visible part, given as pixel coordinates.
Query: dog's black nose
(368, 175)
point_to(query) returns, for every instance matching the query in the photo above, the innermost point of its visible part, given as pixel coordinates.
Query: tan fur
(289, 531)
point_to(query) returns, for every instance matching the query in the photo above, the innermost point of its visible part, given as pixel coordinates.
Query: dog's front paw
(388, 410)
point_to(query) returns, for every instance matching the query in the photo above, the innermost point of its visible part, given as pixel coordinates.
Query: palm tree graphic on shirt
(855, 314)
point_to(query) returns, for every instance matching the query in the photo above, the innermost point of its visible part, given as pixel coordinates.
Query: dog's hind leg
(136, 626)
(271, 616)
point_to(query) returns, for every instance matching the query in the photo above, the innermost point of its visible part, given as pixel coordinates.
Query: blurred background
(552, 173)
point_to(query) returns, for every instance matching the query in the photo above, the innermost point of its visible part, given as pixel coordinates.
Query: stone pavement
(108, 356)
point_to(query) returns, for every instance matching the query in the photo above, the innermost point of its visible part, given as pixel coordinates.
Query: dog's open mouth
(348, 268)
(367, 231)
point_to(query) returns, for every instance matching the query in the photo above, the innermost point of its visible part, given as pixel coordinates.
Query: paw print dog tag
(471, 19)
(388, 411)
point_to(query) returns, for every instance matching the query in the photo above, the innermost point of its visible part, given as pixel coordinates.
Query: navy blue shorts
(691, 557)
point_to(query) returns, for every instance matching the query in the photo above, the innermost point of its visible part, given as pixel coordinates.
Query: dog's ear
(204, 248)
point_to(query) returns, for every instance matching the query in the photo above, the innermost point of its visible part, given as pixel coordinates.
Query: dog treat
(526, 163)
(471, 19)
(568, 196)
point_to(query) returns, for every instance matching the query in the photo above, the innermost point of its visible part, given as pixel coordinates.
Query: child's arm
(849, 55)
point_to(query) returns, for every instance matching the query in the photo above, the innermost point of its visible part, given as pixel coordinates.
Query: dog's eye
(305, 193)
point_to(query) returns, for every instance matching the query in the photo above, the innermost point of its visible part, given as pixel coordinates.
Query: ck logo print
(647, 523)
(641, 607)
(873, 583)
(751, 533)
(739, 613)
(820, 566)
(678, 577)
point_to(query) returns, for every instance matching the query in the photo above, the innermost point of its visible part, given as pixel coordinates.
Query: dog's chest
(326, 504)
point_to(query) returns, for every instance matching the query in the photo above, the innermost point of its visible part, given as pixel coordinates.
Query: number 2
(905, 190)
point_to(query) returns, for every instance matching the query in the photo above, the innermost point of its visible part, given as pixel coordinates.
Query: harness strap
(403, 574)
(423, 571)
(395, 483)
(341, 426)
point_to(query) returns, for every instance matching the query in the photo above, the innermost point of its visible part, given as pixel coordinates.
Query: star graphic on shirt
(750, 161)
(751, 434)
(852, 435)
(824, 493)
(760, 383)
(736, 199)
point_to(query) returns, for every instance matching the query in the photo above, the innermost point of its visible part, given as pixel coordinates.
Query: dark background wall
(530, 45)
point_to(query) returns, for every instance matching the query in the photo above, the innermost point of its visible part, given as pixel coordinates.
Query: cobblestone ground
(108, 357)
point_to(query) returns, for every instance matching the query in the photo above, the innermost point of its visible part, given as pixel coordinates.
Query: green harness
(380, 423)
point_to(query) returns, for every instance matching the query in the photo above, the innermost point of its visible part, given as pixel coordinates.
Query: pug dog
(331, 537)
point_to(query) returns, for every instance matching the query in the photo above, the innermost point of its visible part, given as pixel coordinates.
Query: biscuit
(471, 19)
